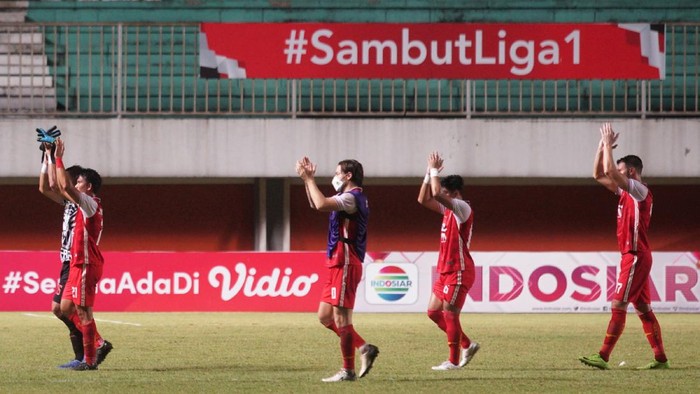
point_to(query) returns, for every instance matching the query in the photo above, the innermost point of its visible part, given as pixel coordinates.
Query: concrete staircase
(26, 84)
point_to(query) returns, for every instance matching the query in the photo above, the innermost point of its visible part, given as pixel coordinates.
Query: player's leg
(452, 293)
(436, 314)
(89, 329)
(453, 301)
(334, 295)
(83, 280)
(652, 329)
(468, 348)
(345, 282)
(325, 316)
(618, 317)
(435, 305)
(67, 306)
(346, 286)
(368, 351)
(343, 319)
(616, 326)
(76, 337)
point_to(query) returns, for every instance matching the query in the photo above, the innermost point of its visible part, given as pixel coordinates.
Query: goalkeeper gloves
(47, 136)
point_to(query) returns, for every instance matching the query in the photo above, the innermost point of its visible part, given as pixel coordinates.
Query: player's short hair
(354, 167)
(632, 161)
(452, 183)
(93, 178)
(74, 172)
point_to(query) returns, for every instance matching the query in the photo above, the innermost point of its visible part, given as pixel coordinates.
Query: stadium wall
(221, 217)
(388, 148)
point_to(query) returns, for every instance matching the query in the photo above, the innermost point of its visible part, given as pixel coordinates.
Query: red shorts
(341, 285)
(633, 279)
(452, 287)
(82, 284)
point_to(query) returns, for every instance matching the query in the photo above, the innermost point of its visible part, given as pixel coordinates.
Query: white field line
(97, 320)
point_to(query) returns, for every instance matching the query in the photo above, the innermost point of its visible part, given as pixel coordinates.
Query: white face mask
(337, 183)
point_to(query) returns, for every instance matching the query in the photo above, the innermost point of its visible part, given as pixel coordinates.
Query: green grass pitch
(291, 352)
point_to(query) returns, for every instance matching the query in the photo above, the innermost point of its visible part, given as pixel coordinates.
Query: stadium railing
(136, 69)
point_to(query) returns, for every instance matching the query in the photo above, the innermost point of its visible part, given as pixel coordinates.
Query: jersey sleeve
(87, 204)
(461, 209)
(638, 190)
(346, 202)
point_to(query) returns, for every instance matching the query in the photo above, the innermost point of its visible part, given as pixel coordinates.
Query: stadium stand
(157, 68)
(25, 80)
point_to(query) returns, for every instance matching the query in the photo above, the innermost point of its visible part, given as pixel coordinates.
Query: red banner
(506, 282)
(443, 50)
(159, 281)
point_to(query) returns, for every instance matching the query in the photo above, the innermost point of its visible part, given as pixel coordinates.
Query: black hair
(632, 161)
(354, 167)
(93, 178)
(74, 172)
(452, 183)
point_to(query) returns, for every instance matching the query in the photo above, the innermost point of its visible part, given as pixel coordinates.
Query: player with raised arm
(49, 188)
(633, 217)
(347, 242)
(455, 264)
(86, 258)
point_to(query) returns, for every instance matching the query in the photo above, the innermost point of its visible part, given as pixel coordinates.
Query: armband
(434, 172)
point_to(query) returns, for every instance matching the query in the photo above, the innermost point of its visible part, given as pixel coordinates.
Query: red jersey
(454, 243)
(86, 235)
(633, 219)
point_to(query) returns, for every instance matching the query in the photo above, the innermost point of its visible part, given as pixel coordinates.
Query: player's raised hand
(309, 167)
(435, 161)
(60, 148)
(608, 136)
(305, 168)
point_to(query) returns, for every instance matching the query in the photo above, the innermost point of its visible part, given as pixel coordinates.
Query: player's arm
(425, 195)
(617, 179)
(300, 171)
(599, 170)
(308, 196)
(318, 201)
(47, 178)
(65, 186)
(86, 203)
(435, 164)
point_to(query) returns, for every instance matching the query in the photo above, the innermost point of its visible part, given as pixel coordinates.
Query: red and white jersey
(87, 232)
(633, 217)
(455, 236)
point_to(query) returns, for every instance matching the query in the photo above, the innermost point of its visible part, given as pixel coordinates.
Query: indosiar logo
(392, 283)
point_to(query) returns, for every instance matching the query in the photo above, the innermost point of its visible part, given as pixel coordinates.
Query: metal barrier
(152, 69)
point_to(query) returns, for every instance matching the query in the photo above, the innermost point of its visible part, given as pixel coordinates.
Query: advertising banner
(432, 50)
(536, 282)
(169, 281)
(506, 282)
